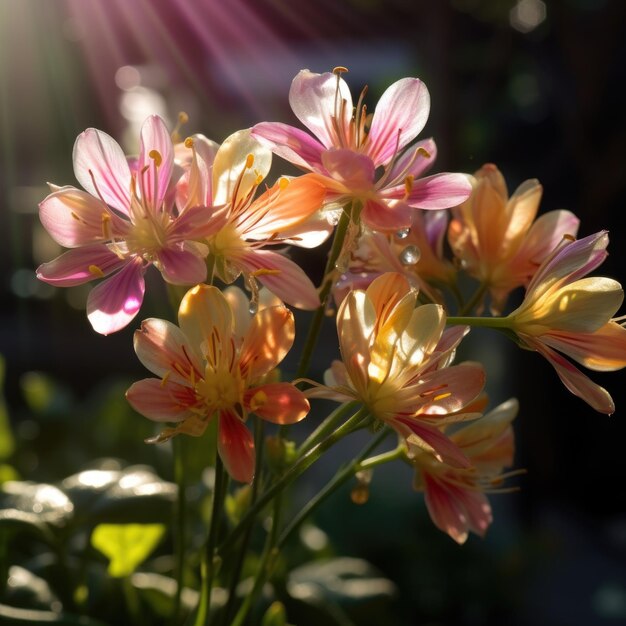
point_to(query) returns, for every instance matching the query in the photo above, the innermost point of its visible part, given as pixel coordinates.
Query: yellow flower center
(221, 389)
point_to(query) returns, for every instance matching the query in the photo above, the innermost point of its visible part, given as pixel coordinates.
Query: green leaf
(276, 615)
(126, 545)
(7, 441)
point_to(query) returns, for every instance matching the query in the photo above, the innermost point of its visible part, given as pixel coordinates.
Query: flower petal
(163, 348)
(80, 265)
(115, 301)
(400, 115)
(156, 161)
(291, 144)
(101, 168)
(279, 403)
(317, 99)
(161, 401)
(386, 215)
(181, 267)
(439, 191)
(236, 447)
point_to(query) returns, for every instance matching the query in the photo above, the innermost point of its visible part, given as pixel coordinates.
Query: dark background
(541, 101)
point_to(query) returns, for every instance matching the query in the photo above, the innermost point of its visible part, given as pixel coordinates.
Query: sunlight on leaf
(126, 545)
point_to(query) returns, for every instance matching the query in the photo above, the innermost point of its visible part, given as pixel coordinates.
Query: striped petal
(236, 447)
(279, 403)
(161, 401)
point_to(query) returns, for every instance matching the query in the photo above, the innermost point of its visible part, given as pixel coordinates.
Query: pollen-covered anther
(442, 396)
(422, 152)
(263, 271)
(249, 161)
(96, 271)
(189, 142)
(408, 184)
(283, 183)
(340, 69)
(155, 155)
(106, 226)
(258, 400)
(165, 378)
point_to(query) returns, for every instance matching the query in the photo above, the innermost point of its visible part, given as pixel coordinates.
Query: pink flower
(497, 239)
(124, 222)
(346, 155)
(284, 214)
(565, 313)
(396, 361)
(213, 366)
(455, 497)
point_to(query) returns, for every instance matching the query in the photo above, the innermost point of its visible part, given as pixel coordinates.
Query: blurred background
(534, 87)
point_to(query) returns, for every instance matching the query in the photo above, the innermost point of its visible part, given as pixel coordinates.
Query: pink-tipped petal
(291, 144)
(439, 191)
(75, 218)
(80, 265)
(414, 161)
(282, 277)
(318, 98)
(115, 301)
(162, 348)
(101, 168)
(400, 115)
(181, 267)
(279, 403)
(236, 447)
(387, 216)
(156, 161)
(354, 171)
(159, 401)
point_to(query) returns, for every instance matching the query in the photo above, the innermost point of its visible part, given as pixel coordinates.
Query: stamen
(155, 155)
(189, 142)
(408, 184)
(283, 183)
(96, 271)
(249, 161)
(258, 400)
(165, 378)
(340, 69)
(183, 118)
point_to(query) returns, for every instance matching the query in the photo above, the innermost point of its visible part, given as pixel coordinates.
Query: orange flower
(213, 366)
(455, 497)
(497, 239)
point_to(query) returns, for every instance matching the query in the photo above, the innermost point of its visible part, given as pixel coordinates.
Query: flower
(563, 312)
(346, 154)
(283, 214)
(455, 497)
(213, 366)
(396, 361)
(497, 239)
(125, 221)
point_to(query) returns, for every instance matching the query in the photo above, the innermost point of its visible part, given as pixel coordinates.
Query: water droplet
(410, 255)
(253, 308)
(403, 233)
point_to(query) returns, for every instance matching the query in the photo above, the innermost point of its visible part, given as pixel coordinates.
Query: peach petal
(236, 447)
(279, 403)
(161, 402)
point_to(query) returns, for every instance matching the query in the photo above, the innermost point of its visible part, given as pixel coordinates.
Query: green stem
(293, 472)
(208, 556)
(326, 427)
(338, 479)
(327, 283)
(259, 434)
(485, 322)
(180, 522)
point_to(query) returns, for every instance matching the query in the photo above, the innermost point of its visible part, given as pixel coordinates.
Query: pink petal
(355, 171)
(197, 222)
(279, 403)
(236, 447)
(439, 191)
(412, 162)
(574, 380)
(80, 265)
(163, 348)
(181, 267)
(115, 302)
(98, 155)
(291, 144)
(282, 277)
(155, 172)
(318, 98)
(75, 218)
(159, 401)
(431, 439)
(400, 115)
(386, 215)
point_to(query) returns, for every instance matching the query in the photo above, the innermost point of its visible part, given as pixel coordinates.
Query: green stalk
(208, 555)
(338, 479)
(327, 283)
(292, 473)
(180, 522)
(326, 427)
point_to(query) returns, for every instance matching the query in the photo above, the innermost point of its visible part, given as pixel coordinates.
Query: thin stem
(180, 522)
(259, 434)
(352, 424)
(327, 283)
(338, 479)
(326, 427)
(208, 555)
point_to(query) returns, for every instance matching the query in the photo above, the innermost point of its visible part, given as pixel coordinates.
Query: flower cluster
(405, 245)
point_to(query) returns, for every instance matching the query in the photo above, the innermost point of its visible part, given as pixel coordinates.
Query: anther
(249, 161)
(189, 142)
(283, 182)
(340, 69)
(96, 271)
(155, 155)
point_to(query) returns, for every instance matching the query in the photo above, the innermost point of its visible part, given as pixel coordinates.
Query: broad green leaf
(7, 441)
(126, 545)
